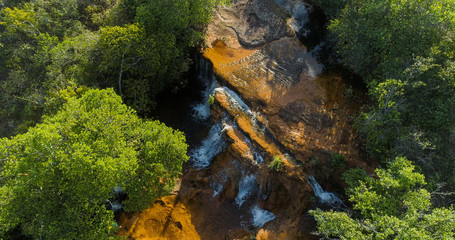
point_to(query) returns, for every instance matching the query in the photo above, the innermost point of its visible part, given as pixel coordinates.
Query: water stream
(247, 187)
(326, 198)
(261, 216)
(203, 155)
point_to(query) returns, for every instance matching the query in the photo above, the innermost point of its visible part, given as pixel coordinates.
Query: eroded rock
(274, 102)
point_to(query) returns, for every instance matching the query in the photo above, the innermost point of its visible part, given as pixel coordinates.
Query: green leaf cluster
(56, 178)
(276, 164)
(392, 206)
(139, 48)
(404, 51)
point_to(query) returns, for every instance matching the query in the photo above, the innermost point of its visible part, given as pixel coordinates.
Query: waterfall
(217, 181)
(201, 111)
(211, 146)
(235, 100)
(246, 188)
(261, 216)
(300, 15)
(327, 198)
(258, 156)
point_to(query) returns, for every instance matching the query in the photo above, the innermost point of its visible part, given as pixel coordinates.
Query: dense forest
(70, 145)
(404, 51)
(78, 79)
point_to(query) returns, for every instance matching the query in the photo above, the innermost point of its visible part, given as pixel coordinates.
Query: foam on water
(235, 100)
(211, 146)
(261, 216)
(246, 188)
(201, 111)
(300, 15)
(324, 197)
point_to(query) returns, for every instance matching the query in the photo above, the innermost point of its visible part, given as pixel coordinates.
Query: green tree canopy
(56, 178)
(392, 206)
(137, 47)
(404, 50)
(379, 39)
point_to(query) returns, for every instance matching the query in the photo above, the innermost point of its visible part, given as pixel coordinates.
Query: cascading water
(218, 180)
(300, 15)
(247, 187)
(211, 146)
(261, 216)
(327, 198)
(235, 100)
(201, 111)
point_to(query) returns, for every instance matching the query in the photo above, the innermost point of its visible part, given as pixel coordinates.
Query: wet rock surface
(272, 102)
(250, 23)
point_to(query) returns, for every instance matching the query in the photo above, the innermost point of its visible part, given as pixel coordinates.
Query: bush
(276, 164)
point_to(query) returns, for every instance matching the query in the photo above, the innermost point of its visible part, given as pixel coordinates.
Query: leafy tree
(28, 32)
(146, 48)
(56, 178)
(131, 62)
(379, 39)
(414, 118)
(137, 47)
(404, 51)
(393, 206)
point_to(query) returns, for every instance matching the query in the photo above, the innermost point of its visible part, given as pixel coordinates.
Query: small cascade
(217, 182)
(247, 187)
(326, 198)
(312, 66)
(210, 147)
(258, 157)
(201, 111)
(217, 188)
(235, 100)
(116, 207)
(300, 16)
(261, 216)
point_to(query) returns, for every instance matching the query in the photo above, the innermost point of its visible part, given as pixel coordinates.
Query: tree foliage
(379, 39)
(139, 48)
(404, 50)
(56, 178)
(392, 206)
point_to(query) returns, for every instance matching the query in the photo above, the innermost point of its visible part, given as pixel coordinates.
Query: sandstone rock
(290, 110)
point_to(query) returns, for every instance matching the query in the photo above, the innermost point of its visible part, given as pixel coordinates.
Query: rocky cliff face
(271, 100)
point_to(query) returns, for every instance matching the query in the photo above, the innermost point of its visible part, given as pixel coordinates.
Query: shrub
(276, 164)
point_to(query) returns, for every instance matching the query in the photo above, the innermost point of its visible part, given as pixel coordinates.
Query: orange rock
(167, 219)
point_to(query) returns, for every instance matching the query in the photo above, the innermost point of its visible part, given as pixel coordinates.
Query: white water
(258, 157)
(324, 197)
(211, 146)
(235, 100)
(311, 63)
(300, 17)
(261, 216)
(246, 187)
(201, 111)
